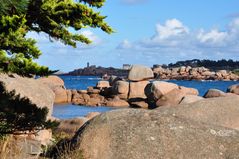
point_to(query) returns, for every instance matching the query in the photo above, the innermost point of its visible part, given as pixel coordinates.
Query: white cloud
(43, 40)
(174, 41)
(171, 28)
(96, 41)
(125, 44)
(213, 37)
(90, 35)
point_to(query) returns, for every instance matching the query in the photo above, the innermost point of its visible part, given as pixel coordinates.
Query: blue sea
(82, 82)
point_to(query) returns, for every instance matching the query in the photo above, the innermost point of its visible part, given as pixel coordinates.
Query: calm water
(72, 111)
(82, 82)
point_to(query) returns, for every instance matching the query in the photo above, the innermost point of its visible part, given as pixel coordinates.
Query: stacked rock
(197, 73)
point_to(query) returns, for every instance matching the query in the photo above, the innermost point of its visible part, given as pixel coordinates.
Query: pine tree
(53, 17)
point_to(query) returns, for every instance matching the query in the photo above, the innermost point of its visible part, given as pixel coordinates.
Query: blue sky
(152, 32)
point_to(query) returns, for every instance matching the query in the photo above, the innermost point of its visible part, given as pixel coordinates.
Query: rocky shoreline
(175, 73)
(197, 73)
(139, 90)
(179, 116)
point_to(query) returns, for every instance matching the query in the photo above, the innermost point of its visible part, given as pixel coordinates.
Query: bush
(19, 115)
(236, 71)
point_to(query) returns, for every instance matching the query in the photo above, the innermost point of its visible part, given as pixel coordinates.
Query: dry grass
(68, 153)
(62, 150)
(9, 149)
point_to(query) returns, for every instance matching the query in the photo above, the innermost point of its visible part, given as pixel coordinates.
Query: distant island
(99, 71)
(212, 65)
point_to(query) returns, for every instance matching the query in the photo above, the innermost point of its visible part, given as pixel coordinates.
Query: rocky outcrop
(90, 97)
(172, 98)
(102, 84)
(234, 89)
(187, 99)
(113, 79)
(167, 132)
(221, 111)
(52, 81)
(140, 73)
(197, 73)
(160, 88)
(139, 104)
(189, 91)
(121, 89)
(212, 93)
(28, 88)
(61, 95)
(117, 102)
(141, 94)
(23, 99)
(56, 84)
(91, 115)
(69, 96)
(137, 89)
(161, 93)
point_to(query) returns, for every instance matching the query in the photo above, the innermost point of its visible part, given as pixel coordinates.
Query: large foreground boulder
(140, 73)
(140, 134)
(190, 99)
(221, 111)
(21, 105)
(52, 81)
(28, 88)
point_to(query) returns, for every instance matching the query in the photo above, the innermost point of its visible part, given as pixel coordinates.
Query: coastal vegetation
(222, 64)
(171, 120)
(26, 105)
(52, 17)
(236, 71)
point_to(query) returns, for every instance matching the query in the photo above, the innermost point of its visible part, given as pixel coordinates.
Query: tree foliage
(53, 17)
(18, 115)
(211, 64)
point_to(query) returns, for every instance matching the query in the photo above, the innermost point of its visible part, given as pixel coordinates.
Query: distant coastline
(98, 71)
(229, 67)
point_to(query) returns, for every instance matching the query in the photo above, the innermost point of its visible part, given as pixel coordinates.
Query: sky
(151, 32)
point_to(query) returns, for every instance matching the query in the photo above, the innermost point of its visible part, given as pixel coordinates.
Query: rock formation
(56, 84)
(28, 88)
(27, 97)
(234, 89)
(189, 73)
(205, 129)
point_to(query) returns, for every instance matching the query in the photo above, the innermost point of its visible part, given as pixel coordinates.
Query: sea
(67, 111)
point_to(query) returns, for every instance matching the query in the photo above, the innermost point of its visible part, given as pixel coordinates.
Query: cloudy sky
(152, 32)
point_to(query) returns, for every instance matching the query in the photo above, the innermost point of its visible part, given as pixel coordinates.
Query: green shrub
(236, 71)
(20, 115)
